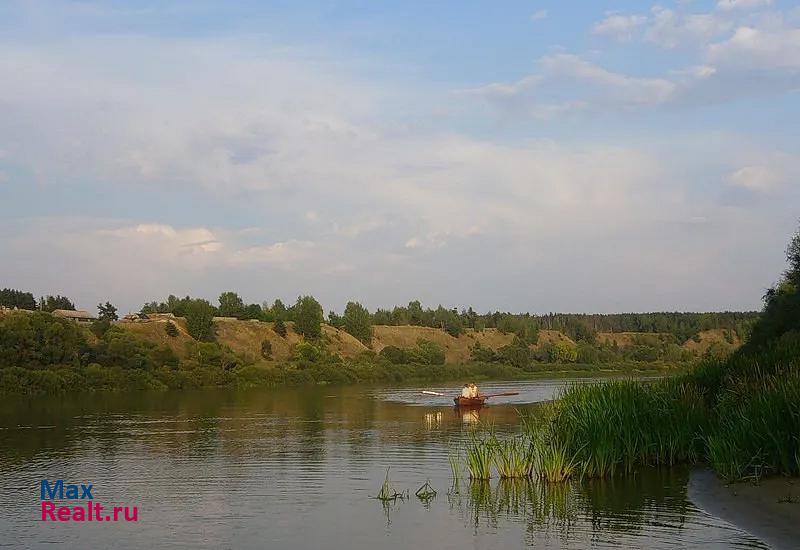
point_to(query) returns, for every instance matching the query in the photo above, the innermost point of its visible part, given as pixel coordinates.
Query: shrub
(306, 351)
(266, 349)
(395, 355)
(279, 328)
(171, 329)
(427, 353)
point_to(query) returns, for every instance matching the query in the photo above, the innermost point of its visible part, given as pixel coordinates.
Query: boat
(470, 402)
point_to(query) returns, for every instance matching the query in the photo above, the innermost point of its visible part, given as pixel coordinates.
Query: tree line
(307, 314)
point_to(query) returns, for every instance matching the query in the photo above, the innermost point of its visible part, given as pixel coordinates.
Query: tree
(563, 352)
(12, 298)
(107, 312)
(253, 311)
(335, 320)
(357, 322)
(280, 328)
(308, 317)
(52, 303)
(428, 353)
(278, 310)
(231, 305)
(415, 313)
(200, 319)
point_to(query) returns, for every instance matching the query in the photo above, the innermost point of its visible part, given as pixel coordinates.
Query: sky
(521, 156)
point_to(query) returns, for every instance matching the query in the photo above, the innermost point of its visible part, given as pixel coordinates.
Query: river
(298, 468)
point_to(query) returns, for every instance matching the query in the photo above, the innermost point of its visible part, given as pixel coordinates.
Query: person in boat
(473, 390)
(466, 391)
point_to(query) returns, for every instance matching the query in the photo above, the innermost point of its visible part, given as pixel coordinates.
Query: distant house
(79, 315)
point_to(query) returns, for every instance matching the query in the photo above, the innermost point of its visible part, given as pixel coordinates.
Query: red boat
(470, 402)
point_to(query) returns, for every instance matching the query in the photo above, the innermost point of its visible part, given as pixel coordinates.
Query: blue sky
(525, 156)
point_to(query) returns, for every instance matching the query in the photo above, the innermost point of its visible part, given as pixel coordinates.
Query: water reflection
(300, 468)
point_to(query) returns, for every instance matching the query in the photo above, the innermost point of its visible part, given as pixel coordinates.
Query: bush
(427, 353)
(200, 320)
(266, 349)
(100, 327)
(171, 329)
(395, 355)
(279, 328)
(306, 351)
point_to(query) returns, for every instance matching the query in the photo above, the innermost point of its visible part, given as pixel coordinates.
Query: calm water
(297, 469)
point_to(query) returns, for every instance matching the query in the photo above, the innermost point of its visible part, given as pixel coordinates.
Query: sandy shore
(769, 510)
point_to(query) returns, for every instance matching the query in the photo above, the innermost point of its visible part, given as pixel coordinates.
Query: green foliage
(757, 430)
(199, 319)
(449, 321)
(231, 305)
(279, 311)
(395, 355)
(563, 352)
(171, 329)
(35, 340)
(279, 328)
(266, 349)
(306, 351)
(52, 303)
(335, 320)
(100, 327)
(516, 354)
(119, 348)
(107, 312)
(357, 322)
(427, 353)
(482, 355)
(253, 311)
(308, 317)
(12, 298)
(480, 455)
(211, 354)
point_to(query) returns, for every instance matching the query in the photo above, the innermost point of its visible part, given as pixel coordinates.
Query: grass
(740, 415)
(759, 433)
(480, 451)
(512, 457)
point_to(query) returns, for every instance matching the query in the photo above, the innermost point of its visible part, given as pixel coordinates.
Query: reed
(387, 492)
(757, 431)
(480, 452)
(454, 459)
(512, 457)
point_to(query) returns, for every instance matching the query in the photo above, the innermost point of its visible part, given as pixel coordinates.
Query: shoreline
(769, 510)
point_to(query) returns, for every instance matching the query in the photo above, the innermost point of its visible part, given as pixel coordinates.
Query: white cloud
(754, 178)
(669, 29)
(338, 187)
(773, 48)
(620, 27)
(567, 84)
(727, 5)
(539, 15)
(285, 255)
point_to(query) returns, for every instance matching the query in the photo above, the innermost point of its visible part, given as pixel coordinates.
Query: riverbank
(93, 377)
(769, 510)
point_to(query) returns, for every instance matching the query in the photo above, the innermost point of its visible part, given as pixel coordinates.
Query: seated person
(466, 391)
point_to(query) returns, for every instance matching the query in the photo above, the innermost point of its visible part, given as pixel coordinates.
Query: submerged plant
(387, 492)
(426, 493)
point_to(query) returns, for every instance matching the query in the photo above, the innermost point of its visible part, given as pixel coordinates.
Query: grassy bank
(94, 377)
(741, 415)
